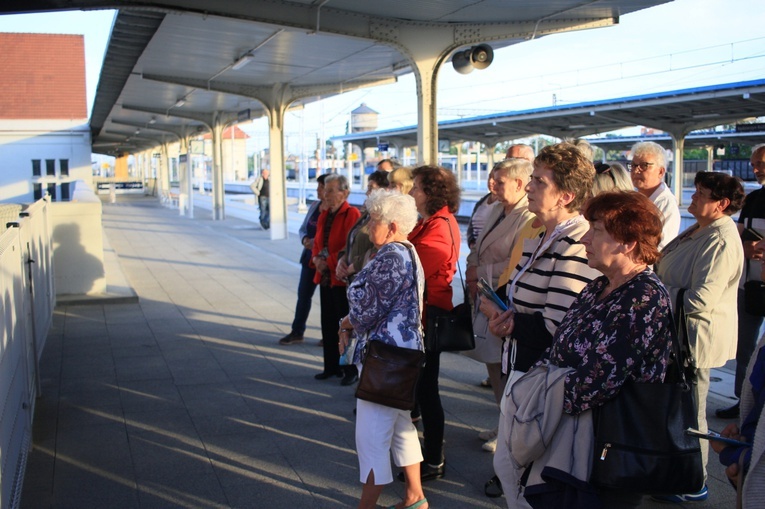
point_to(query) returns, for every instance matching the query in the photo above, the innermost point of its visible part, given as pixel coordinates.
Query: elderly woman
(386, 305)
(488, 258)
(551, 273)
(619, 328)
(358, 247)
(334, 223)
(707, 260)
(401, 180)
(436, 237)
(481, 211)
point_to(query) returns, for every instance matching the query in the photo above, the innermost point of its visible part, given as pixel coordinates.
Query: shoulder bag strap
(456, 254)
(681, 343)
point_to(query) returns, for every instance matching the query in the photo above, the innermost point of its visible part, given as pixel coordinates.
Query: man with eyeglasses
(752, 217)
(647, 169)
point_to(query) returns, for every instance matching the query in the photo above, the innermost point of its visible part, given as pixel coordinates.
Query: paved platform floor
(186, 400)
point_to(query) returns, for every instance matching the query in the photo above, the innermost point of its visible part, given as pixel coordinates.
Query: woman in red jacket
(436, 237)
(331, 231)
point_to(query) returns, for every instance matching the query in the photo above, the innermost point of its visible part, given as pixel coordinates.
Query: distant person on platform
(647, 169)
(261, 190)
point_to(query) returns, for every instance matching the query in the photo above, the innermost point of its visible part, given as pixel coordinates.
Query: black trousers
(334, 306)
(429, 401)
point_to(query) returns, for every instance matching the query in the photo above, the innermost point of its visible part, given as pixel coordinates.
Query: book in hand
(713, 435)
(486, 290)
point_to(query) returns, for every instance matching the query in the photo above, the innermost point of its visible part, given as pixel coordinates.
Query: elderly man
(520, 151)
(648, 167)
(752, 216)
(387, 165)
(261, 190)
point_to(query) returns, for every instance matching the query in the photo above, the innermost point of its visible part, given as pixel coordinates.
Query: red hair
(628, 216)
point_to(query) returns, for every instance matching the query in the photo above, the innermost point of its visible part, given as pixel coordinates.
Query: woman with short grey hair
(386, 299)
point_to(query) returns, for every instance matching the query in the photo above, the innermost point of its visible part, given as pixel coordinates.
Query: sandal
(413, 506)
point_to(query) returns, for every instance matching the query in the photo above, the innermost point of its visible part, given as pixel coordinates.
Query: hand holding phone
(485, 288)
(713, 435)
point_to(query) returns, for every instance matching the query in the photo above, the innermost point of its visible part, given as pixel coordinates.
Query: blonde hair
(401, 177)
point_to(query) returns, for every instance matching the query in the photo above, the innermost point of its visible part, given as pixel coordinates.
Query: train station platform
(184, 399)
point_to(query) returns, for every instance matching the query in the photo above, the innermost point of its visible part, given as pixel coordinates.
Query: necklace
(616, 282)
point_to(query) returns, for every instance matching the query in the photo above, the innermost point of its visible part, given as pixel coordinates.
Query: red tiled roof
(238, 134)
(43, 76)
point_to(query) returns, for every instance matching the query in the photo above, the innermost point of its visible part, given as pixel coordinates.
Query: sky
(683, 44)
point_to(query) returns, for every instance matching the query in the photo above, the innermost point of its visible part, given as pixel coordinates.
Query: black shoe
(324, 375)
(427, 473)
(493, 488)
(350, 379)
(728, 413)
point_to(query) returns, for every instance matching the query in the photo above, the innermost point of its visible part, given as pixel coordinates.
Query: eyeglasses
(644, 166)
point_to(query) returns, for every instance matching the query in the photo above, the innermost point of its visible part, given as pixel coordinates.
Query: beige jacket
(492, 249)
(707, 262)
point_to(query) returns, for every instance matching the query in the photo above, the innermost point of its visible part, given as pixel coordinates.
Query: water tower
(363, 119)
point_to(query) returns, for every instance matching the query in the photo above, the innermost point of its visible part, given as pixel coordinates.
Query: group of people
(590, 263)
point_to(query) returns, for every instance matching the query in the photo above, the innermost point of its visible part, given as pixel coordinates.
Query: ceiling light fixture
(180, 102)
(242, 61)
(153, 120)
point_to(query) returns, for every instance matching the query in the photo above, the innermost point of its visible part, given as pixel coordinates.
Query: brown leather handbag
(390, 375)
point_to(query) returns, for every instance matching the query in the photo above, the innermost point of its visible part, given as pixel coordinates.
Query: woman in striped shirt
(552, 271)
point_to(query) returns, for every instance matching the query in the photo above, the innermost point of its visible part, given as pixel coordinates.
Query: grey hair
(758, 148)
(650, 148)
(393, 207)
(515, 168)
(342, 182)
(526, 151)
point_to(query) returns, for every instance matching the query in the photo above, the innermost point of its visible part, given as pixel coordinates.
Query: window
(63, 167)
(50, 167)
(65, 193)
(38, 191)
(36, 167)
(52, 191)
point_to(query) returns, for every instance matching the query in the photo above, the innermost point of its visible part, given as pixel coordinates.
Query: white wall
(21, 141)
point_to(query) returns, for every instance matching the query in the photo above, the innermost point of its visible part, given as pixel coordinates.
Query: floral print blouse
(627, 335)
(385, 299)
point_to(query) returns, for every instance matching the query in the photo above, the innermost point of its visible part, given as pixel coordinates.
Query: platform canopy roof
(673, 112)
(175, 66)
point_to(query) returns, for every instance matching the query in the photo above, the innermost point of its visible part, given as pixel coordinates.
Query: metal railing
(28, 298)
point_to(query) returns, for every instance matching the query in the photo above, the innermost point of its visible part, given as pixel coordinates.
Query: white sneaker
(490, 446)
(489, 434)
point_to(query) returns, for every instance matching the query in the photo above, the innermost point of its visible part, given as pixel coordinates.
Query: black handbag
(390, 373)
(450, 331)
(640, 440)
